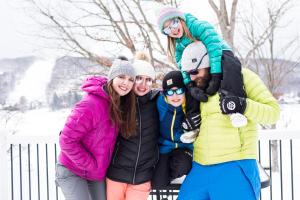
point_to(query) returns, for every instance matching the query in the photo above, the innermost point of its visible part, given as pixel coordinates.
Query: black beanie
(173, 79)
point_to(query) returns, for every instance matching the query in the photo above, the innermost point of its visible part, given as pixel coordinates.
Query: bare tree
(123, 24)
(226, 20)
(259, 41)
(263, 39)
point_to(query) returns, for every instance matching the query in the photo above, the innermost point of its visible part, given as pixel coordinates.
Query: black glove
(191, 122)
(232, 104)
(214, 84)
(198, 94)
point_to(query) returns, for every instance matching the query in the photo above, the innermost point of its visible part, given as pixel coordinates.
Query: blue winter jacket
(170, 118)
(204, 32)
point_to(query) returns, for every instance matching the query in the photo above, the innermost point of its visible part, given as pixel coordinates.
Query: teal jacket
(170, 119)
(204, 32)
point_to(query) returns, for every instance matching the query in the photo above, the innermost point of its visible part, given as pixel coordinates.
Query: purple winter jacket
(88, 137)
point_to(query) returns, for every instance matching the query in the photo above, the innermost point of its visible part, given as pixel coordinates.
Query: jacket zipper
(140, 141)
(172, 129)
(118, 144)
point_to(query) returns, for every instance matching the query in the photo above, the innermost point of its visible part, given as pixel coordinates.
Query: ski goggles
(174, 24)
(171, 92)
(140, 79)
(195, 71)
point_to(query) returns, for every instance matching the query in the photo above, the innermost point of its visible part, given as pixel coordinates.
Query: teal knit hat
(166, 13)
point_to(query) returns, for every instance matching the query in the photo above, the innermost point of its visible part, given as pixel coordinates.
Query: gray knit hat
(120, 67)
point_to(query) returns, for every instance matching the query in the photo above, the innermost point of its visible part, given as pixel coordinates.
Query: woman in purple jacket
(89, 135)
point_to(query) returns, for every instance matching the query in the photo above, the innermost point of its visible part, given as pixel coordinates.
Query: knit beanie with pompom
(142, 65)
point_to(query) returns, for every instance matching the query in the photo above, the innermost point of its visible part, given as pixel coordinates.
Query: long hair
(122, 111)
(171, 41)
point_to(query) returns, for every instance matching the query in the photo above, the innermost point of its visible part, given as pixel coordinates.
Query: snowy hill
(12, 70)
(30, 82)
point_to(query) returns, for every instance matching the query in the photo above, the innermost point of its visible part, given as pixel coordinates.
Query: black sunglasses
(195, 71)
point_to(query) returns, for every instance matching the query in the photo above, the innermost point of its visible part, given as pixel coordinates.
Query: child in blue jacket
(175, 145)
(182, 29)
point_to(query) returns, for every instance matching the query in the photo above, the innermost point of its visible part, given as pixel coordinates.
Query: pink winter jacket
(88, 137)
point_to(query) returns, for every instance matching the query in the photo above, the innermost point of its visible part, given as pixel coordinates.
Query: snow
(35, 122)
(45, 122)
(34, 83)
(289, 117)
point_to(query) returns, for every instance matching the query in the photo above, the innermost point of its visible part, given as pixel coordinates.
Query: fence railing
(27, 166)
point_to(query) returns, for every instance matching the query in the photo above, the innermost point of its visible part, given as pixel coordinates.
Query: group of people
(125, 138)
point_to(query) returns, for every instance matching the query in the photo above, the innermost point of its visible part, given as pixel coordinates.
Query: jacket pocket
(62, 172)
(251, 172)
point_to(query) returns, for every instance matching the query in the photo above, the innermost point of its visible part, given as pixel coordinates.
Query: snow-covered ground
(34, 122)
(289, 117)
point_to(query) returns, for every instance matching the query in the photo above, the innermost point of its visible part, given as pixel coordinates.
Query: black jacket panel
(134, 158)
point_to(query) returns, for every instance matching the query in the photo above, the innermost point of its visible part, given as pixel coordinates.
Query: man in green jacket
(224, 165)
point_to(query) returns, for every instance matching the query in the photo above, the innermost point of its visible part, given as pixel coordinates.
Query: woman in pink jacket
(88, 137)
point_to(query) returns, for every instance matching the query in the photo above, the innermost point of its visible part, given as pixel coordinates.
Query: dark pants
(232, 81)
(170, 166)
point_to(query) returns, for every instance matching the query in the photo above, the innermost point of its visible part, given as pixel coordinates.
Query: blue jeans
(236, 180)
(77, 188)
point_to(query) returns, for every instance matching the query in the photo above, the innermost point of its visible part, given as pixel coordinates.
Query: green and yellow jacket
(218, 141)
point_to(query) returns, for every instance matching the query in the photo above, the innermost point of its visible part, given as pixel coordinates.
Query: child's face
(173, 28)
(122, 84)
(142, 85)
(175, 96)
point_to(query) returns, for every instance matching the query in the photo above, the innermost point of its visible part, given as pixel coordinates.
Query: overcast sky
(16, 26)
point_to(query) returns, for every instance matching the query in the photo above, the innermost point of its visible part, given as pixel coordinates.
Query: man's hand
(191, 122)
(232, 104)
(214, 84)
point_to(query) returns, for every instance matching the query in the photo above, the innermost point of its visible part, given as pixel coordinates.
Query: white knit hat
(192, 55)
(143, 68)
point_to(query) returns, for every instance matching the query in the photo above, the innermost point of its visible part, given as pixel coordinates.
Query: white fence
(27, 166)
